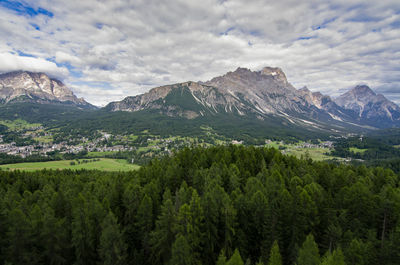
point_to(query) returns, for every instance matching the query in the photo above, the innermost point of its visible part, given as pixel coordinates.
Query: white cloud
(62, 57)
(96, 95)
(12, 62)
(135, 45)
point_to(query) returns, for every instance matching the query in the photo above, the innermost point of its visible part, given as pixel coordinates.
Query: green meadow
(104, 164)
(19, 124)
(357, 150)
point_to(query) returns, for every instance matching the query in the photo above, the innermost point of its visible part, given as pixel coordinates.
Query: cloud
(96, 94)
(131, 46)
(62, 57)
(13, 62)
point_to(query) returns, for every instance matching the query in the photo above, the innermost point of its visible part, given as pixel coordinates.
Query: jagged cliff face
(189, 100)
(36, 87)
(262, 94)
(267, 91)
(242, 91)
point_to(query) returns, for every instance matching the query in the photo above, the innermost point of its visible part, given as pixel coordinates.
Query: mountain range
(266, 93)
(243, 98)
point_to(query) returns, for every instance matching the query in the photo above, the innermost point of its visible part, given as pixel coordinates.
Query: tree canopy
(219, 205)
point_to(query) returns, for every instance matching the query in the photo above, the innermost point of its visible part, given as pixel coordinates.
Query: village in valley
(34, 139)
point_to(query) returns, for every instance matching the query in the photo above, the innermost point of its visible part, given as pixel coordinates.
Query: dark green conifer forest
(221, 205)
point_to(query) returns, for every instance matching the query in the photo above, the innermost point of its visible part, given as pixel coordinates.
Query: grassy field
(101, 154)
(357, 150)
(19, 124)
(274, 144)
(317, 154)
(44, 139)
(105, 164)
(143, 149)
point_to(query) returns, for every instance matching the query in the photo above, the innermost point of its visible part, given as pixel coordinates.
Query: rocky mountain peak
(359, 95)
(368, 105)
(239, 73)
(362, 90)
(242, 70)
(36, 87)
(275, 72)
(267, 80)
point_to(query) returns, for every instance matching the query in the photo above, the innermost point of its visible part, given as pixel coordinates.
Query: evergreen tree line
(220, 205)
(373, 148)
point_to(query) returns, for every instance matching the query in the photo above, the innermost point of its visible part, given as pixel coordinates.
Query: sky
(105, 50)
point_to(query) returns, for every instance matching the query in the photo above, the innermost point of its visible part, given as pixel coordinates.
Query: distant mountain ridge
(236, 101)
(368, 107)
(24, 86)
(265, 93)
(240, 92)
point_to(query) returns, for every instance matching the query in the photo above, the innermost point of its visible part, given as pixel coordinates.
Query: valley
(218, 168)
(259, 108)
(219, 132)
(34, 144)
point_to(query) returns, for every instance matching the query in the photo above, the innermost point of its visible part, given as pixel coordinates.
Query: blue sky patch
(72, 70)
(324, 24)
(362, 17)
(395, 24)
(306, 38)
(99, 25)
(23, 9)
(255, 33)
(35, 26)
(21, 53)
(226, 32)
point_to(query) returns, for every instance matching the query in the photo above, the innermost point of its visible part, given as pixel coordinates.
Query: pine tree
(236, 259)
(221, 259)
(145, 219)
(112, 246)
(275, 257)
(53, 238)
(181, 253)
(162, 237)
(83, 239)
(336, 258)
(18, 237)
(190, 221)
(358, 252)
(308, 253)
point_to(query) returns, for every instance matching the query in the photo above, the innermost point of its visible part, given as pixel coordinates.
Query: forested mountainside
(221, 205)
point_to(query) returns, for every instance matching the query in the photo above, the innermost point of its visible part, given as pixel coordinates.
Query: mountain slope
(173, 100)
(22, 86)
